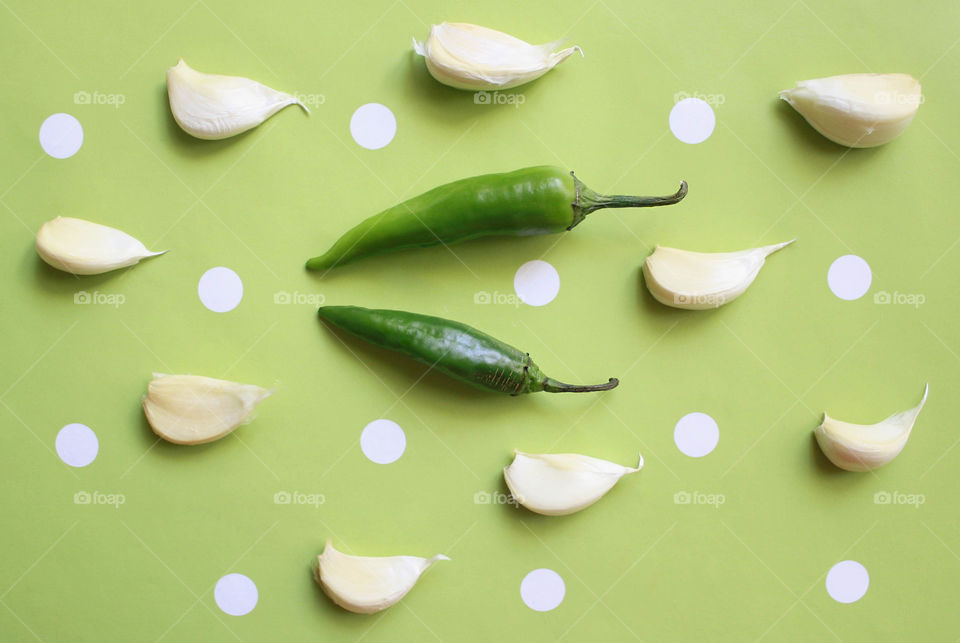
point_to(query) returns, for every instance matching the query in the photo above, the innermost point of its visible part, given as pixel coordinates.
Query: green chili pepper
(453, 348)
(534, 200)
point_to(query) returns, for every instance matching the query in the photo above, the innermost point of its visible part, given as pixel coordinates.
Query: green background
(636, 565)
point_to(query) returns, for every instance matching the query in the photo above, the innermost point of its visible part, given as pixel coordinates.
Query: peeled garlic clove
(365, 584)
(191, 409)
(862, 447)
(701, 280)
(556, 484)
(211, 106)
(86, 248)
(857, 110)
(470, 57)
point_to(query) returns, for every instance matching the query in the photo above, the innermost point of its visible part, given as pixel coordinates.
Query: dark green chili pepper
(453, 348)
(534, 200)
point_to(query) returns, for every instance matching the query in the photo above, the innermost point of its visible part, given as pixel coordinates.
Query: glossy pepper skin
(534, 200)
(453, 348)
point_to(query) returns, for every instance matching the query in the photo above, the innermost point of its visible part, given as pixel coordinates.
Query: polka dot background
(77, 445)
(236, 594)
(847, 581)
(849, 277)
(383, 441)
(536, 283)
(696, 434)
(692, 120)
(61, 136)
(220, 289)
(542, 590)
(154, 520)
(373, 126)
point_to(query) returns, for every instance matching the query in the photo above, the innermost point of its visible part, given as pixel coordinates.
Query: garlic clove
(857, 110)
(863, 447)
(191, 409)
(471, 57)
(702, 280)
(85, 248)
(365, 584)
(556, 484)
(211, 106)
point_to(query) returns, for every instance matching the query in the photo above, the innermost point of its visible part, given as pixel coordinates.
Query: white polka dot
(61, 136)
(847, 581)
(536, 283)
(236, 594)
(373, 126)
(542, 590)
(696, 434)
(77, 445)
(220, 289)
(383, 441)
(692, 120)
(849, 277)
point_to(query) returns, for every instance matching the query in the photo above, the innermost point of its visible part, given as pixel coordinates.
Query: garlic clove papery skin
(211, 106)
(557, 484)
(476, 58)
(192, 409)
(366, 584)
(85, 248)
(857, 110)
(864, 447)
(703, 280)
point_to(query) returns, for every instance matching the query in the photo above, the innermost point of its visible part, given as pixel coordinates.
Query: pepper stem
(587, 200)
(551, 385)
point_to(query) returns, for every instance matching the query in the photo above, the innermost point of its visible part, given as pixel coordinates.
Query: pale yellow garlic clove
(702, 280)
(857, 110)
(191, 409)
(471, 57)
(211, 106)
(863, 447)
(556, 484)
(86, 248)
(365, 584)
